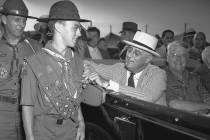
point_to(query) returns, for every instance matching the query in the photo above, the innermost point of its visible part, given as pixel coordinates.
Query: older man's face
(136, 59)
(177, 58)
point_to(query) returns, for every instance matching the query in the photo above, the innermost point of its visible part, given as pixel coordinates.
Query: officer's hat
(16, 8)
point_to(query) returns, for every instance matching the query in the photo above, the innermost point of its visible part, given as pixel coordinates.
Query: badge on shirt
(24, 68)
(3, 72)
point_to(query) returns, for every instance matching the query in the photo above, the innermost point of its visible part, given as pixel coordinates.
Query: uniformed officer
(14, 47)
(51, 91)
(1, 27)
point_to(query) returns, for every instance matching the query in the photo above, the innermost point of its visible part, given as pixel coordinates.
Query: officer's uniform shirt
(11, 60)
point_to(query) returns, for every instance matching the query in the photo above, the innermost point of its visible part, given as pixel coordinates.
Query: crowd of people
(53, 82)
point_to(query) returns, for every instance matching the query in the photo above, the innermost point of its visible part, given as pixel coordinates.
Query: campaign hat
(16, 8)
(64, 10)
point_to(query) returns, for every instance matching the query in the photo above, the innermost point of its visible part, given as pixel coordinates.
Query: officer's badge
(3, 72)
(24, 69)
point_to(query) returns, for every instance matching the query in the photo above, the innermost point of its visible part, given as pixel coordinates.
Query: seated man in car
(184, 89)
(136, 77)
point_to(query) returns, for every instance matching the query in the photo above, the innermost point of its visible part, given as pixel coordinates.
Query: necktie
(131, 80)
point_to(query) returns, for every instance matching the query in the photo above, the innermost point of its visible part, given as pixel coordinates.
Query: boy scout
(52, 81)
(14, 47)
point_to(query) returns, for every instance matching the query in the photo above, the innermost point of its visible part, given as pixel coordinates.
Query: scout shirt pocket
(5, 66)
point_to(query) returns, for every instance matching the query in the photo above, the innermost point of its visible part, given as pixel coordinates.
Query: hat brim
(70, 19)
(142, 48)
(13, 14)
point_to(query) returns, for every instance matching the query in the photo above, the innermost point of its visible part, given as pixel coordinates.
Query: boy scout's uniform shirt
(11, 60)
(33, 93)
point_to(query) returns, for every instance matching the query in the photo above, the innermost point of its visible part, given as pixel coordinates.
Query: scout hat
(144, 42)
(16, 8)
(41, 24)
(130, 26)
(65, 10)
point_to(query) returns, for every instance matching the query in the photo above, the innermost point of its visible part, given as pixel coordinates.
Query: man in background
(92, 50)
(127, 33)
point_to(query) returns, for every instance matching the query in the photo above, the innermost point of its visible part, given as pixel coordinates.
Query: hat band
(141, 44)
(15, 12)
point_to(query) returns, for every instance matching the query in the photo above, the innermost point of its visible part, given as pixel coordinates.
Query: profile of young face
(70, 31)
(14, 25)
(136, 58)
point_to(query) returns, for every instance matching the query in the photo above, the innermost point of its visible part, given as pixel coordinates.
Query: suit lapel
(142, 76)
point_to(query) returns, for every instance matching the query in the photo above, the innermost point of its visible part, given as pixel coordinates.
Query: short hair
(51, 24)
(205, 53)
(176, 44)
(199, 33)
(94, 29)
(167, 31)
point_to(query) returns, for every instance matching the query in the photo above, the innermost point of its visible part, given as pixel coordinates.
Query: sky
(158, 15)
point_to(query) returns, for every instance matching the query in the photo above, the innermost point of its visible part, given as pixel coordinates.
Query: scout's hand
(81, 131)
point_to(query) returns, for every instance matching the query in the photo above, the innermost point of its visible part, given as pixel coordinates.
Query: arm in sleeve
(151, 91)
(105, 71)
(28, 87)
(27, 100)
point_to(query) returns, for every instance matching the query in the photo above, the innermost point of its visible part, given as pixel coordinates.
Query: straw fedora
(144, 42)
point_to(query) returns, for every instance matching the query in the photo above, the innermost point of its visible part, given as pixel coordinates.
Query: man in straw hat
(51, 91)
(136, 77)
(14, 48)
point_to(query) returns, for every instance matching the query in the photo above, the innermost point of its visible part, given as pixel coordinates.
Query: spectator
(92, 51)
(199, 43)
(167, 37)
(204, 70)
(184, 89)
(188, 37)
(81, 46)
(127, 33)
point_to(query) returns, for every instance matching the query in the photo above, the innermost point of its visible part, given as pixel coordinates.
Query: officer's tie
(131, 80)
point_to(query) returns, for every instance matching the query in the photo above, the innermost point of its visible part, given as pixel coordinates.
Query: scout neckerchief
(15, 60)
(66, 71)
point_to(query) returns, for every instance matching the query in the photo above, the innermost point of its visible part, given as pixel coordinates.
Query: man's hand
(81, 131)
(91, 75)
